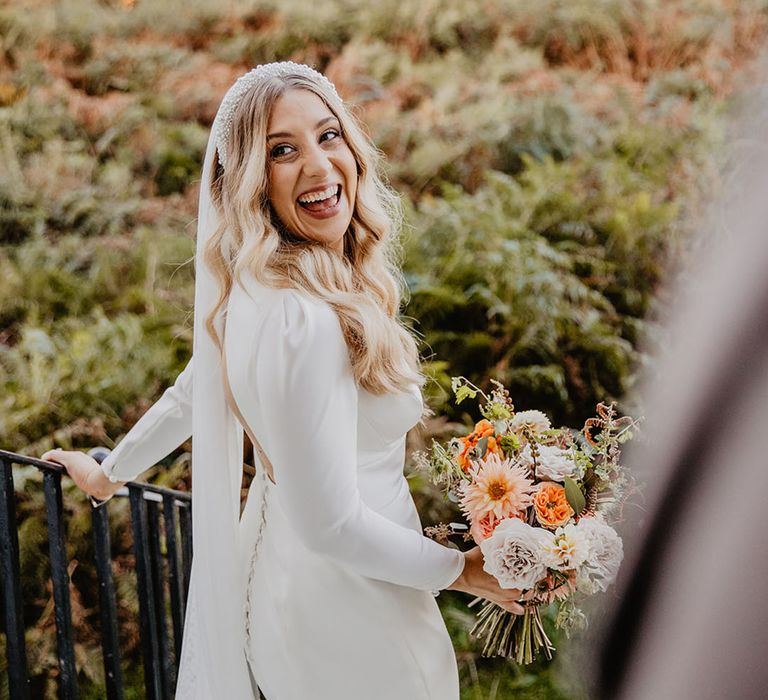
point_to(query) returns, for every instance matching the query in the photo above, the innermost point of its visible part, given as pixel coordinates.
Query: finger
(511, 595)
(514, 608)
(55, 455)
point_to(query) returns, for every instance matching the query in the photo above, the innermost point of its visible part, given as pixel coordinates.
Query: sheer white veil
(213, 662)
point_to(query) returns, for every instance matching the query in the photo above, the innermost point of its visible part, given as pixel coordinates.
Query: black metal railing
(162, 541)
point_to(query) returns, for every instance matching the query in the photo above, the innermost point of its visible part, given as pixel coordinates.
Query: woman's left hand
(85, 471)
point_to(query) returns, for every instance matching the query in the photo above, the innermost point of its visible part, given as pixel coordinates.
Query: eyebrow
(287, 134)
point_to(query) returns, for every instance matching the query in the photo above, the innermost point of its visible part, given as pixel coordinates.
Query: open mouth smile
(322, 204)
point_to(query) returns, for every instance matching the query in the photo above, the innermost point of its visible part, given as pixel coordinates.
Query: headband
(222, 124)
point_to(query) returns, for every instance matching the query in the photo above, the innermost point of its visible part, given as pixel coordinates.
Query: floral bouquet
(537, 500)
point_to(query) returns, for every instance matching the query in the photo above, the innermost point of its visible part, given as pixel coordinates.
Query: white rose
(553, 463)
(606, 552)
(569, 549)
(513, 553)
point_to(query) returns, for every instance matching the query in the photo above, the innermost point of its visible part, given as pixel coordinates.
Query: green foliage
(177, 163)
(129, 68)
(574, 495)
(52, 180)
(550, 156)
(94, 330)
(538, 278)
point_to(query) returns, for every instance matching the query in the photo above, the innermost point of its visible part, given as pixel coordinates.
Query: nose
(316, 162)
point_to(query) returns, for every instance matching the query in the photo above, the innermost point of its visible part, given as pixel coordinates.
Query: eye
(330, 134)
(281, 150)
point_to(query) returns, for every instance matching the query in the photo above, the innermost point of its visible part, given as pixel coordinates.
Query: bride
(324, 587)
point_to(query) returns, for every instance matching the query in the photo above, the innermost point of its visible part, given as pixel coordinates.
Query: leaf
(574, 495)
(464, 392)
(482, 447)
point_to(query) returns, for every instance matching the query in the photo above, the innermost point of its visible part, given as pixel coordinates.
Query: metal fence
(161, 521)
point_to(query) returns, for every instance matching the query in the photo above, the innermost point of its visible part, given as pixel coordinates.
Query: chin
(331, 239)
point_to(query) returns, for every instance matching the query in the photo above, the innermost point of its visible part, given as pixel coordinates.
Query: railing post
(68, 688)
(167, 676)
(185, 526)
(147, 613)
(110, 644)
(18, 684)
(174, 573)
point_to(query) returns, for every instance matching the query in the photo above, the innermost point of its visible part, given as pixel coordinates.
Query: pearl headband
(222, 124)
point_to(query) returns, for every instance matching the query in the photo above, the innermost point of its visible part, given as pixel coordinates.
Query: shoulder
(285, 316)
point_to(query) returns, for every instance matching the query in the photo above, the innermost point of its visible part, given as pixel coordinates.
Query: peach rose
(551, 505)
(483, 528)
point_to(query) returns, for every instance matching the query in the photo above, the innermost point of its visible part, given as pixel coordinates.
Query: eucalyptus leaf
(481, 447)
(574, 495)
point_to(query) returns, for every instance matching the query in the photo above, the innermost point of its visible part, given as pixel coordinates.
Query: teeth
(317, 196)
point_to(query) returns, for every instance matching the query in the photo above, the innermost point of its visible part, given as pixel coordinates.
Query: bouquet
(538, 501)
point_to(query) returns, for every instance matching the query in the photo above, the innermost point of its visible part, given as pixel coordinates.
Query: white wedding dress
(337, 572)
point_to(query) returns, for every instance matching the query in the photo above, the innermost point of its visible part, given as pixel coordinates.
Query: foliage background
(553, 158)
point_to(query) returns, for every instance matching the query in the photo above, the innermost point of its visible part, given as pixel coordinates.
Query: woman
(322, 588)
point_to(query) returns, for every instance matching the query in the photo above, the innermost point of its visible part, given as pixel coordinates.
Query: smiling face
(312, 172)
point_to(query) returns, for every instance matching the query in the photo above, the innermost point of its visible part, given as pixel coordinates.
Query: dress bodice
(382, 424)
(383, 419)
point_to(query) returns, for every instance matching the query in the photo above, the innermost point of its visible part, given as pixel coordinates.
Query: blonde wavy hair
(364, 286)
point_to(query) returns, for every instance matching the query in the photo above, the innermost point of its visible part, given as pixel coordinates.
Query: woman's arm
(164, 426)
(300, 399)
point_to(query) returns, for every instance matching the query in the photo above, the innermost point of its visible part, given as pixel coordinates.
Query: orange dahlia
(551, 505)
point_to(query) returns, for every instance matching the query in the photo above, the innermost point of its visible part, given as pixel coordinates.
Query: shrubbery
(550, 156)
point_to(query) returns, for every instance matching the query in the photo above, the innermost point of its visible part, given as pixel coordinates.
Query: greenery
(552, 156)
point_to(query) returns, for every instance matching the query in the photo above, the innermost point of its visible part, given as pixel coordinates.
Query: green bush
(531, 281)
(552, 159)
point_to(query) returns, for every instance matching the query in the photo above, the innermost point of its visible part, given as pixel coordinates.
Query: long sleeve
(301, 402)
(164, 426)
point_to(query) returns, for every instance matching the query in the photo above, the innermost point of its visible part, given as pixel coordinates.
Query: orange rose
(483, 428)
(551, 505)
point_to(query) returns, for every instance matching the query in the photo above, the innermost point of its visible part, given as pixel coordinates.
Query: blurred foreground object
(691, 620)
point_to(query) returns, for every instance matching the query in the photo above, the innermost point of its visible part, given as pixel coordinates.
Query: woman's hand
(85, 472)
(480, 583)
